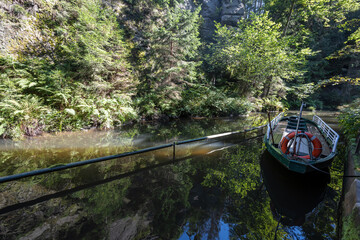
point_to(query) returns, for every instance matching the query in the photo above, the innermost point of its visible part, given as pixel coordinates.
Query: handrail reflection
(63, 193)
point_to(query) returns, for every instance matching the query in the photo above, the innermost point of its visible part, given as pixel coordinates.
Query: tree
(255, 56)
(314, 24)
(171, 62)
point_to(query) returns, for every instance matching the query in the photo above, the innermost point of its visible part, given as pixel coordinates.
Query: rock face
(232, 11)
(187, 4)
(225, 11)
(17, 19)
(127, 228)
(210, 11)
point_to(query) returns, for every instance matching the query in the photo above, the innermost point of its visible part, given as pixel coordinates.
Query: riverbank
(351, 203)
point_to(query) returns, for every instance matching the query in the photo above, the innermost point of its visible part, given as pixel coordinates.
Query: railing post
(357, 149)
(174, 151)
(271, 131)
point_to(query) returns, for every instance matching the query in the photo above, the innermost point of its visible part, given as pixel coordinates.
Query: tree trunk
(266, 90)
(289, 17)
(261, 1)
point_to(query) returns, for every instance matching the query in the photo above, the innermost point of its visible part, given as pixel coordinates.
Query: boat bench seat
(292, 123)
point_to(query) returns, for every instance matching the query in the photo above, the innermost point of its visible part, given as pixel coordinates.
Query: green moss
(18, 10)
(355, 157)
(351, 226)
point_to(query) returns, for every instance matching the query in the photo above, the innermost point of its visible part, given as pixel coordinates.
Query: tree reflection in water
(292, 195)
(207, 194)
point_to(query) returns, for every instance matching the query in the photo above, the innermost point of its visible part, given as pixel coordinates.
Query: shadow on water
(292, 195)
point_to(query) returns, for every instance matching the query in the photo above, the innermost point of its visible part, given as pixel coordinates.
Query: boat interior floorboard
(281, 131)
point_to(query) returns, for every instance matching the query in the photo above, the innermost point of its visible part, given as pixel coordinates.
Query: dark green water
(229, 188)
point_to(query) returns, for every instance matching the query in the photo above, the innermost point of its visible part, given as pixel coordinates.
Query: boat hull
(297, 166)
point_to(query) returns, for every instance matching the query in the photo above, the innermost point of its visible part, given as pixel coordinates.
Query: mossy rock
(351, 225)
(356, 157)
(18, 10)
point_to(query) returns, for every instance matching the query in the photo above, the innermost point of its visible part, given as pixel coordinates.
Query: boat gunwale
(275, 151)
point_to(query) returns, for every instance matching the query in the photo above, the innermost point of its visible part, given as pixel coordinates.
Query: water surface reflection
(212, 190)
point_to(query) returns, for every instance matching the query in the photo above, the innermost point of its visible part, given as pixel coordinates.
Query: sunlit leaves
(70, 51)
(255, 54)
(350, 119)
(172, 59)
(70, 111)
(239, 175)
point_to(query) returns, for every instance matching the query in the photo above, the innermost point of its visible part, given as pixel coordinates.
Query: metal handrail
(274, 123)
(126, 154)
(328, 132)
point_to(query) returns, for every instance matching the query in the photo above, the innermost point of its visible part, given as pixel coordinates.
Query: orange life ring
(315, 141)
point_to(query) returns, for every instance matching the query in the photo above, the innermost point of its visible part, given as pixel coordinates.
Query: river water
(224, 188)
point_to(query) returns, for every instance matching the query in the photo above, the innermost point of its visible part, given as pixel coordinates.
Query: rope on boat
(126, 154)
(344, 176)
(319, 169)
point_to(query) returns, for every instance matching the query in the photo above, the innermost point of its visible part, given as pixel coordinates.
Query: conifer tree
(172, 60)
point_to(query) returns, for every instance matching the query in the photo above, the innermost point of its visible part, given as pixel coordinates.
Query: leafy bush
(206, 102)
(36, 99)
(350, 119)
(70, 71)
(272, 104)
(255, 56)
(195, 101)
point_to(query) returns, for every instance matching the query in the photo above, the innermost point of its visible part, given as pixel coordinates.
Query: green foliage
(39, 102)
(209, 102)
(238, 176)
(323, 26)
(255, 56)
(171, 61)
(19, 112)
(81, 64)
(307, 17)
(351, 229)
(196, 101)
(94, 45)
(349, 119)
(18, 10)
(272, 104)
(71, 72)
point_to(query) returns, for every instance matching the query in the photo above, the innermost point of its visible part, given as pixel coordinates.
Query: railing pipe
(77, 164)
(126, 154)
(328, 132)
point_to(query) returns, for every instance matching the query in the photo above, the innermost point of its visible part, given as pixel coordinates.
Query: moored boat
(300, 144)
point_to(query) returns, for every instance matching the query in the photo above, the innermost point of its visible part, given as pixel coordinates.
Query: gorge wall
(225, 11)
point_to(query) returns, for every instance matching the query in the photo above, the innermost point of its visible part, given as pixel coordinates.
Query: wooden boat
(299, 144)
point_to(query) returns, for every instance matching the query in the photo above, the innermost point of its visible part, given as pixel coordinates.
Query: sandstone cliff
(225, 11)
